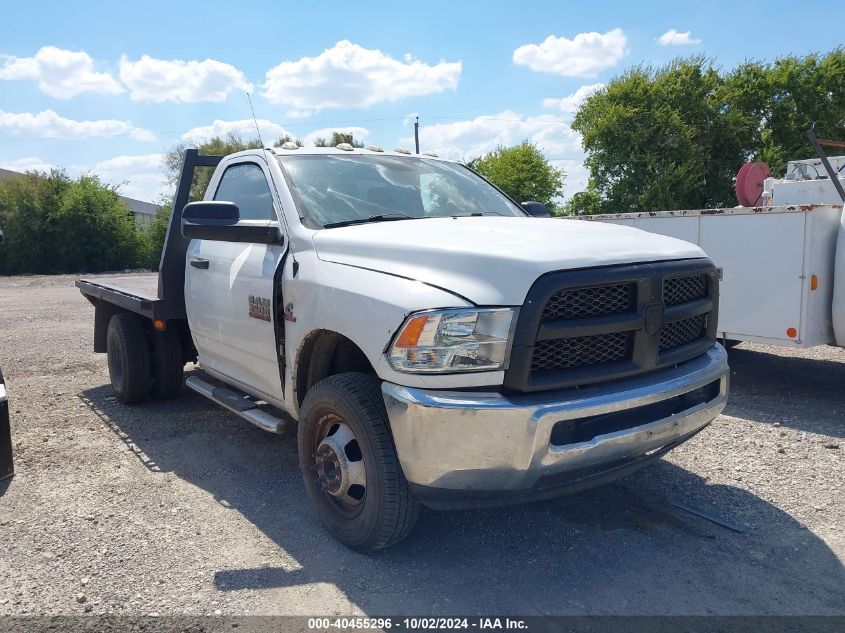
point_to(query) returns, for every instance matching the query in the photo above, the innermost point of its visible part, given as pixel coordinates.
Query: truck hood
(492, 260)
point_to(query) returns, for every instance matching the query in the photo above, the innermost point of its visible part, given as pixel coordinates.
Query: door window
(246, 186)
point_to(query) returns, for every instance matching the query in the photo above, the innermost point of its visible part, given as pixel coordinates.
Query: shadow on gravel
(770, 388)
(620, 549)
(5, 484)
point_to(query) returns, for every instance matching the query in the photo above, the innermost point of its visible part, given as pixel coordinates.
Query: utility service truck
(431, 340)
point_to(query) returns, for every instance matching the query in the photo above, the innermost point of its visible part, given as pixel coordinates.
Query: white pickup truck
(430, 339)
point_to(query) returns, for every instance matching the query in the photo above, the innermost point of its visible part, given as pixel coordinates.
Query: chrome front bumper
(482, 445)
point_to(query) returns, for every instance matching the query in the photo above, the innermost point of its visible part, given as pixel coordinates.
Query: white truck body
(782, 264)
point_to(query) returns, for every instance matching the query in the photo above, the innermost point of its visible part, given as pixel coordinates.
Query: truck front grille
(684, 289)
(589, 302)
(567, 353)
(682, 332)
(589, 326)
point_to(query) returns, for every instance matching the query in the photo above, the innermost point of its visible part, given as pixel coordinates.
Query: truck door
(229, 288)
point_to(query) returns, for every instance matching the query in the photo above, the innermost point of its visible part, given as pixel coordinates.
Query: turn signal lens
(453, 340)
(791, 332)
(814, 282)
(410, 334)
(159, 325)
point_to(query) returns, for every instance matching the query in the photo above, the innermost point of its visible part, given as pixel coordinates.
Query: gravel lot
(182, 508)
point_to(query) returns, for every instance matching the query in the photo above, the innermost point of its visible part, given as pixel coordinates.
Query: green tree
(336, 139)
(154, 235)
(777, 103)
(523, 173)
(54, 224)
(583, 203)
(661, 139)
(675, 137)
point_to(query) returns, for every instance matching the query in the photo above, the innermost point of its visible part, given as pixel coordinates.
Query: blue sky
(107, 87)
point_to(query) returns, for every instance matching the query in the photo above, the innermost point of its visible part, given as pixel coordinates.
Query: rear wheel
(167, 368)
(128, 357)
(349, 464)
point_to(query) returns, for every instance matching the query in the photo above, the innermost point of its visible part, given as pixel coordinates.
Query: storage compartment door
(762, 260)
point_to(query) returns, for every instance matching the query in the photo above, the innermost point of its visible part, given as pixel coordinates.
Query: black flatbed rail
(153, 296)
(137, 293)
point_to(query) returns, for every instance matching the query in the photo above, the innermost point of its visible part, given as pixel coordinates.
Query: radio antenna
(254, 120)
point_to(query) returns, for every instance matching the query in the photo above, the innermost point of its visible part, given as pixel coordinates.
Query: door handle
(199, 262)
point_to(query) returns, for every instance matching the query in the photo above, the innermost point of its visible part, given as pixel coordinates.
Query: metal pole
(827, 166)
(417, 134)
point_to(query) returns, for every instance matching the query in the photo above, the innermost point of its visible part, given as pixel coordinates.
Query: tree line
(674, 137)
(52, 223)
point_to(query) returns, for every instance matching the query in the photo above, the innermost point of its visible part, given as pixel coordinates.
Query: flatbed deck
(137, 293)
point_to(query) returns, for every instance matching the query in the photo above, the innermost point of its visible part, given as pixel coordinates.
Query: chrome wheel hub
(340, 465)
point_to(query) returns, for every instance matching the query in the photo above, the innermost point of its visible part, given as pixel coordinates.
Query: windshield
(332, 189)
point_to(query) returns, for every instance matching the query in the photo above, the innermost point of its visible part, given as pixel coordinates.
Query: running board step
(240, 403)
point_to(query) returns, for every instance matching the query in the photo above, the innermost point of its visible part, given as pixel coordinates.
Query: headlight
(453, 340)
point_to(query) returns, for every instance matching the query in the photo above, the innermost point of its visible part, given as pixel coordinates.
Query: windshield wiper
(382, 217)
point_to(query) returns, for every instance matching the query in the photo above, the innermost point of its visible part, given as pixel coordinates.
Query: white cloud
(270, 132)
(60, 73)
(28, 163)
(150, 79)
(245, 128)
(48, 124)
(584, 56)
(677, 38)
(571, 102)
(348, 75)
(141, 176)
(468, 139)
(464, 140)
(358, 133)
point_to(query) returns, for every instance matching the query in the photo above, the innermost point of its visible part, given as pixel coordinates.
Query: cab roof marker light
(290, 145)
(402, 150)
(346, 147)
(375, 148)
(432, 154)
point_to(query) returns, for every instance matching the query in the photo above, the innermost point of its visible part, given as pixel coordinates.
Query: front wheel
(349, 464)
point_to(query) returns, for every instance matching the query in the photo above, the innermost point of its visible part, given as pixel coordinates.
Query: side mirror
(211, 211)
(220, 221)
(536, 209)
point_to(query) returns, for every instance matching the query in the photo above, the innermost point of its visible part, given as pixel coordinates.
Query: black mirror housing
(212, 210)
(220, 221)
(536, 209)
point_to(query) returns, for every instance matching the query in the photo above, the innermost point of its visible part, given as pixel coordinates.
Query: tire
(387, 511)
(129, 358)
(166, 366)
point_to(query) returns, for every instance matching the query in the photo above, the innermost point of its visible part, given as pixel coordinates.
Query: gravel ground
(182, 508)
